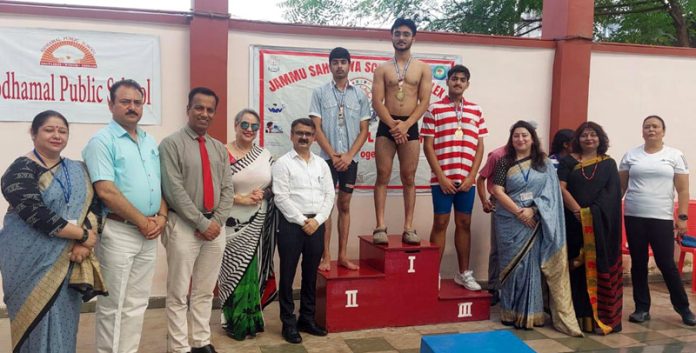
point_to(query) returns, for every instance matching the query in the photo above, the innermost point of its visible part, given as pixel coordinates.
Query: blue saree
(35, 264)
(527, 254)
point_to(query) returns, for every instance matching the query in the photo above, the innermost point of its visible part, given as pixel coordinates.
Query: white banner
(71, 72)
(285, 78)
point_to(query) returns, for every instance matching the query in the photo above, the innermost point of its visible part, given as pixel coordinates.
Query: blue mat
(479, 342)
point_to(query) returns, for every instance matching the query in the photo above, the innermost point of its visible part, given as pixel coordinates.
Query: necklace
(582, 170)
(400, 95)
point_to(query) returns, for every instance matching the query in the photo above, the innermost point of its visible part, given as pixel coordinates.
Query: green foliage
(658, 22)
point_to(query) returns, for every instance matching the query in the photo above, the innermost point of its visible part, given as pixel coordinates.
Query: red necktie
(208, 196)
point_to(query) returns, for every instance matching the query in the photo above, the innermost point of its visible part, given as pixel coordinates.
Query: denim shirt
(325, 105)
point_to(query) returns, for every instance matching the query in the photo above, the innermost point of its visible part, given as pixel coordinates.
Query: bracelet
(85, 236)
(163, 215)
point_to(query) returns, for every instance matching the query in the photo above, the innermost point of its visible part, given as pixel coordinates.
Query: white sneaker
(467, 280)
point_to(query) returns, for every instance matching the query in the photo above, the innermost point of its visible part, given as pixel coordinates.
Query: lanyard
(525, 176)
(66, 191)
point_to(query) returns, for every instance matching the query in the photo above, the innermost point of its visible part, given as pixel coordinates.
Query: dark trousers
(659, 234)
(293, 242)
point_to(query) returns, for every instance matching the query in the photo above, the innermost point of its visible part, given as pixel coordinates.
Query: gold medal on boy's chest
(459, 133)
(400, 95)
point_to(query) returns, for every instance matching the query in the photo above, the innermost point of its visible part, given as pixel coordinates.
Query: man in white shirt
(304, 194)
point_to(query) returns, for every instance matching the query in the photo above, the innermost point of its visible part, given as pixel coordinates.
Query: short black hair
(303, 121)
(404, 22)
(339, 53)
(204, 91)
(561, 137)
(459, 68)
(125, 83)
(664, 127)
(603, 138)
(40, 120)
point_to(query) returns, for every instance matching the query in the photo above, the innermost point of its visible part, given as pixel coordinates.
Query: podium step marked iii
(397, 285)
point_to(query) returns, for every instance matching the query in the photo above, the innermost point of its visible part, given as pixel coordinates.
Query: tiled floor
(664, 333)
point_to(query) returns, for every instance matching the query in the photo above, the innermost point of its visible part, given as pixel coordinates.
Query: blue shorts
(463, 201)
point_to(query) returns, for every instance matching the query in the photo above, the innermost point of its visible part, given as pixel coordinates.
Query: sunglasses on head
(245, 125)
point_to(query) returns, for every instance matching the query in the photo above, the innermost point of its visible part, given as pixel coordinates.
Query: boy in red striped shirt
(453, 131)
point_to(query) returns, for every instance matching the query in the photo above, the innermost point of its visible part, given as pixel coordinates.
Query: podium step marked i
(397, 285)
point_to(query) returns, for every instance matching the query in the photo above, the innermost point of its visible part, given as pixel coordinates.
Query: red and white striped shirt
(455, 154)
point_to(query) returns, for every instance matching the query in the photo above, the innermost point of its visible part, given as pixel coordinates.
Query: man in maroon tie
(197, 184)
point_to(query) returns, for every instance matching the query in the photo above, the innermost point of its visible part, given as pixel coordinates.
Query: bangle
(85, 236)
(163, 215)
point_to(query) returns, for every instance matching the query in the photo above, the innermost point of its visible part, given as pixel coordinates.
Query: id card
(526, 196)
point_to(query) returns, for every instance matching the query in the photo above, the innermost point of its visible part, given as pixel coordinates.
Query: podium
(396, 285)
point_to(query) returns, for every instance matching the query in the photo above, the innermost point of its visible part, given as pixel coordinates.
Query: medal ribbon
(341, 111)
(398, 73)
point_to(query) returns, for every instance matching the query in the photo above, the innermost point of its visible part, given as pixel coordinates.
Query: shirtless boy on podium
(400, 95)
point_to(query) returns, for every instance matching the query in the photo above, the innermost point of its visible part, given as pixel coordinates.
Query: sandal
(379, 236)
(410, 237)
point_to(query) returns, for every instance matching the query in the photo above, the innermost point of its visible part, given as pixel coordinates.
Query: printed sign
(71, 72)
(283, 82)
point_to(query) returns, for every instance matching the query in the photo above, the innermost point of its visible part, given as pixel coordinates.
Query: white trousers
(193, 261)
(127, 264)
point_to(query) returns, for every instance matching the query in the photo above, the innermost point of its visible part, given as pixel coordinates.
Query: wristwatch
(683, 217)
(85, 236)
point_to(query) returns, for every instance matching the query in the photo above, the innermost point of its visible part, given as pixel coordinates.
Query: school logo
(273, 65)
(68, 52)
(364, 84)
(439, 72)
(275, 108)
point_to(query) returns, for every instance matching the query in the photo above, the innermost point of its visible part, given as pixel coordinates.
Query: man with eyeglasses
(197, 184)
(304, 194)
(124, 165)
(400, 95)
(341, 113)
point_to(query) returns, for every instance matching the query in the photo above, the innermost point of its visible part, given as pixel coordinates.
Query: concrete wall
(627, 87)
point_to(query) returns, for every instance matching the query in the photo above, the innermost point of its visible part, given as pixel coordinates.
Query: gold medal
(400, 95)
(459, 132)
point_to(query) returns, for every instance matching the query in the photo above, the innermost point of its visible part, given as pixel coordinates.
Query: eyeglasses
(245, 125)
(303, 133)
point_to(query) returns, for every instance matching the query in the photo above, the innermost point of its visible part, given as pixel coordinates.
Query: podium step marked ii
(397, 285)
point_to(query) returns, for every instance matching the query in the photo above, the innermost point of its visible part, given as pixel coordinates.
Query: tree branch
(528, 31)
(628, 4)
(647, 9)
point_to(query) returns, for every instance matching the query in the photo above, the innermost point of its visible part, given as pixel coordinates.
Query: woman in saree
(46, 232)
(247, 281)
(531, 236)
(592, 197)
